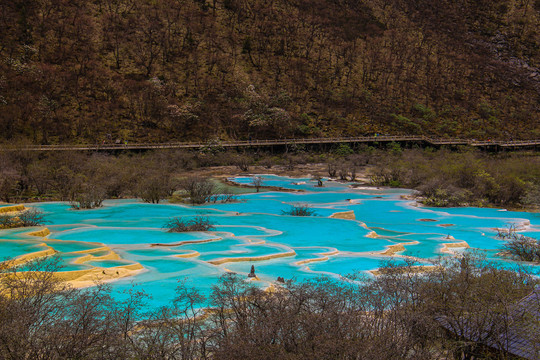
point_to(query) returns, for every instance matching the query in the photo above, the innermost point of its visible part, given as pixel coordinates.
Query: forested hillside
(161, 70)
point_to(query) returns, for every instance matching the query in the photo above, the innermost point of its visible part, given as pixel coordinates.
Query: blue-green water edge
(256, 227)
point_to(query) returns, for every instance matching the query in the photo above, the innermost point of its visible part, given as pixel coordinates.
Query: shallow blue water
(12, 248)
(256, 227)
(108, 263)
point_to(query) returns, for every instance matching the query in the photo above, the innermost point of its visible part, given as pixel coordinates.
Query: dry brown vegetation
(442, 177)
(519, 246)
(463, 178)
(396, 315)
(132, 70)
(28, 217)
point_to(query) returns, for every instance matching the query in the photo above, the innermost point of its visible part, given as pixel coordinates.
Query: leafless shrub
(224, 195)
(8, 184)
(31, 217)
(200, 190)
(519, 246)
(242, 162)
(332, 170)
(400, 314)
(88, 197)
(7, 221)
(299, 210)
(44, 318)
(228, 197)
(343, 172)
(198, 223)
(267, 163)
(386, 177)
(155, 187)
(352, 171)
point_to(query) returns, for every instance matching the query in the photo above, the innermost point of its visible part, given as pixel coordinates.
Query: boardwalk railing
(260, 143)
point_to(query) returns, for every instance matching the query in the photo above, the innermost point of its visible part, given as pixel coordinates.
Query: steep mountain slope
(142, 70)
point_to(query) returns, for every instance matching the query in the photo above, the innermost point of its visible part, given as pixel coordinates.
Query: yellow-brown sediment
(345, 215)
(40, 233)
(254, 258)
(77, 278)
(32, 256)
(447, 246)
(111, 255)
(393, 249)
(188, 255)
(323, 258)
(13, 208)
(187, 242)
(364, 226)
(85, 278)
(261, 242)
(89, 251)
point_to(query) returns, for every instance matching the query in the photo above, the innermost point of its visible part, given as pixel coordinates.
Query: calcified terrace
(353, 229)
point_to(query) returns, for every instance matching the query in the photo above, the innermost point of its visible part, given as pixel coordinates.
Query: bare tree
(257, 182)
(44, 318)
(242, 162)
(400, 314)
(88, 196)
(200, 190)
(154, 187)
(332, 170)
(8, 184)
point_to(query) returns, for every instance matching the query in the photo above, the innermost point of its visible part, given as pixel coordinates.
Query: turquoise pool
(255, 231)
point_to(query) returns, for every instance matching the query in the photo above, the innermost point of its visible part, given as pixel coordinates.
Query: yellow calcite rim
(323, 258)
(186, 242)
(111, 255)
(90, 277)
(13, 208)
(86, 277)
(391, 250)
(447, 246)
(188, 255)
(19, 260)
(40, 233)
(345, 215)
(254, 258)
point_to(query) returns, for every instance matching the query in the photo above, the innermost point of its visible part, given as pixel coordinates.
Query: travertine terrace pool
(128, 234)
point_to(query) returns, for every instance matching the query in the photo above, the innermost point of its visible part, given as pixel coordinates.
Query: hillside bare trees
(166, 70)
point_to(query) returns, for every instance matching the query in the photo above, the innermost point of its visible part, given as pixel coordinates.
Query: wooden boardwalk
(276, 142)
